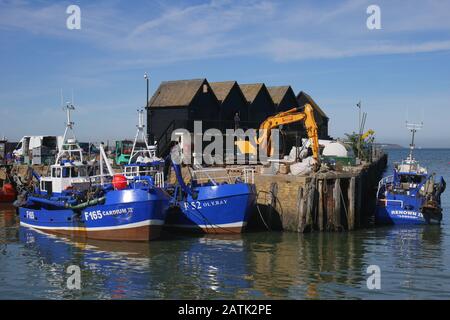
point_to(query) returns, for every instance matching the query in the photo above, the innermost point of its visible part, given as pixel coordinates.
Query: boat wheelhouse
(68, 171)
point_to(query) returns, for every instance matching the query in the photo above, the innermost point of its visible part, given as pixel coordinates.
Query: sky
(399, 72)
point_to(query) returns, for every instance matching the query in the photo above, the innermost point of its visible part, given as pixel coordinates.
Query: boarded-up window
(205, 88)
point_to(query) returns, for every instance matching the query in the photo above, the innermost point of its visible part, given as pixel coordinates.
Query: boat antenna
(413, 127)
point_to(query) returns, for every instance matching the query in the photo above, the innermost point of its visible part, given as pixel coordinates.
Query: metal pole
(359, 129)
(146, 102)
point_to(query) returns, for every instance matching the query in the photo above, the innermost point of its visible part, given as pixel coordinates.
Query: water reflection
(262, 265)
(414, 260)
(298, 266)
(175, 268)
(8, 223)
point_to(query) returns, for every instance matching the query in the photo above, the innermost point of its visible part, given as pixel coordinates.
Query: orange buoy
(119, 182)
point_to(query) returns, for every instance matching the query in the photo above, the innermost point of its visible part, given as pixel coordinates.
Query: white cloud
(282, 31)
(287, 50)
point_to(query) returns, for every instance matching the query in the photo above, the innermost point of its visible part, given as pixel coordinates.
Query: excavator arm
(290, 116)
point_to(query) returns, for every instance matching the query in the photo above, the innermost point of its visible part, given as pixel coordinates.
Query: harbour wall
(323, 201)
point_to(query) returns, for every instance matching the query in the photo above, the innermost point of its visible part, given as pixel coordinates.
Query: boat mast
(413, 127)
(69, 125)
(69, 107)
(139, 133)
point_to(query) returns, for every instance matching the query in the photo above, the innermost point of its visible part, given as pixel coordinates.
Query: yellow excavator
(290, 116)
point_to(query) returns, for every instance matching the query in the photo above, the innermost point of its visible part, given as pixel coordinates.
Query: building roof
(250, 91)
(277, 93)
(222, 89)
(177, 93)
(313, 103)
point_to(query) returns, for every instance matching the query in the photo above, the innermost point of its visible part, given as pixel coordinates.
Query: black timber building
(177, 104)
(232, 101)
(260, 104)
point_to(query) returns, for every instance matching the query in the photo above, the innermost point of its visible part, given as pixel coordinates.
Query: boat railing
(103, 179)
(229, 175)
(387, 201)
(159, 180)
(384, 181)
(158, 176)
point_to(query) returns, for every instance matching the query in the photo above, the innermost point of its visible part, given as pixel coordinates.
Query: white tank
(337, 149)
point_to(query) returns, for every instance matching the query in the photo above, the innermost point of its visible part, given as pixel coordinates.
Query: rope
(277, 202)
(345, 207)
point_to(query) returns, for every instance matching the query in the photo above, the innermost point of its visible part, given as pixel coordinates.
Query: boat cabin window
(66, 172)
(82, 172)
(56, 172)
(74, 172)
(411, 179)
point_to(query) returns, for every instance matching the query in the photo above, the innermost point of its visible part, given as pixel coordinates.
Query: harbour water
(414, 261)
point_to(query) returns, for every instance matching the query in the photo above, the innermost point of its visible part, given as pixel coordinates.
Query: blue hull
(398, 216)
(132, 214)
(217, 209)
(404, 210)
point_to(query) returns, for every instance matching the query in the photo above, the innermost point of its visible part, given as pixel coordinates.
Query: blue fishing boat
(214, 201)
(411, 195)
(73, 200)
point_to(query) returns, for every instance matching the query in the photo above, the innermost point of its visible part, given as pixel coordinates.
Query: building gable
(283, 97)
(179, 93)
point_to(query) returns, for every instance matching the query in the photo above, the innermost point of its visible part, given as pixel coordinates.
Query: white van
(28, 143)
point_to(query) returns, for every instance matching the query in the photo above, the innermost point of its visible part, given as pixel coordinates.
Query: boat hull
(395, 215)
(126, 215)
(221, 209)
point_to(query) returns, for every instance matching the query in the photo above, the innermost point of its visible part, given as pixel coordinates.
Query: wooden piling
(329, 200)
(320, 206)
(351, 204)
(358, 203)
(310, 204)
(337, 204)
(301, 210)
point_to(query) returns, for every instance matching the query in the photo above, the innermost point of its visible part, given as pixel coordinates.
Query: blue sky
(321, 47)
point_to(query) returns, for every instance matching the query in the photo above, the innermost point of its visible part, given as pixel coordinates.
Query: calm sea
(414, 262)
